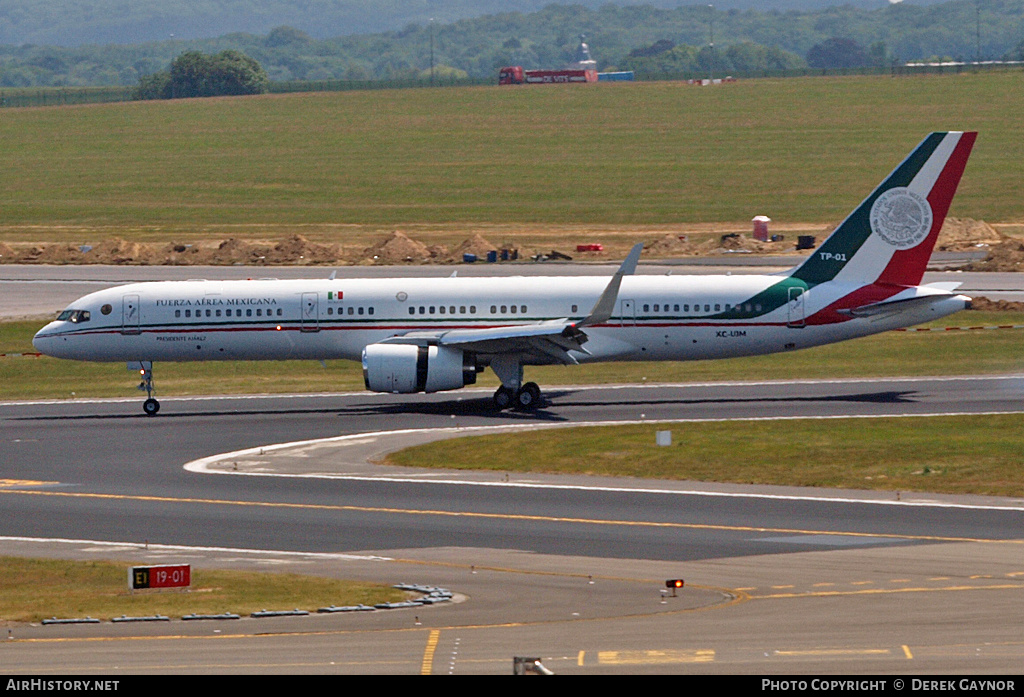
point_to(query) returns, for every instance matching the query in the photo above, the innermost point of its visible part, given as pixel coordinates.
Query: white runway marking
(207, 465)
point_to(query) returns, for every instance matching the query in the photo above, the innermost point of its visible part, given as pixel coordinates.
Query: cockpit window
(76, 316)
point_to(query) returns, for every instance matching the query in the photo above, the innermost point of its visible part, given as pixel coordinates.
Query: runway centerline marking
(519, 517)
(428, 653)
(11, 483)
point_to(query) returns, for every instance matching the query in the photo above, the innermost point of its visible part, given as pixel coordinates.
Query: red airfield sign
(176, 576)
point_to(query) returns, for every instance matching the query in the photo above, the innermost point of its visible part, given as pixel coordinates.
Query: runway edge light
(675, 584)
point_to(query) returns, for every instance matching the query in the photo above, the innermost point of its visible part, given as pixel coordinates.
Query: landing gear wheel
(504, 397)
(151, 407)
(528, 396)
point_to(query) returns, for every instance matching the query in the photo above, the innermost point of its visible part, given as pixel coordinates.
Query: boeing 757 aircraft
(434, 334)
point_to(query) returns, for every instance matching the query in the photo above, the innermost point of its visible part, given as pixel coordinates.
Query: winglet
(602, 311)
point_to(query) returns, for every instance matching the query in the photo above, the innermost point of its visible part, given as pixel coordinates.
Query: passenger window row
(351, 311)
(697, 307)
(259, 312)
(442, 310)
(506, 309)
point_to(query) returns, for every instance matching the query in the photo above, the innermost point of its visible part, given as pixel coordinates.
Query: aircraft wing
(552, 340)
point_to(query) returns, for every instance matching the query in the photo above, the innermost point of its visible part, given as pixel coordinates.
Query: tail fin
(890, 236)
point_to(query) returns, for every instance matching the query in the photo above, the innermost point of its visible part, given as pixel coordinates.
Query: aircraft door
(131, 315)
(797, 308)
(627, 310)
(310, 320)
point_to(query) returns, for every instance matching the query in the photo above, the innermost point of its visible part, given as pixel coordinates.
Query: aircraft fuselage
(655, 318)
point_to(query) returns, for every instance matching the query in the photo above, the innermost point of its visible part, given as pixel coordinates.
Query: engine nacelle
(408, 368)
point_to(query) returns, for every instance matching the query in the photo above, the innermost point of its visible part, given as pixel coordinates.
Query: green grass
(952, 455)
(889, 354)
(36, 589)
(801, 149)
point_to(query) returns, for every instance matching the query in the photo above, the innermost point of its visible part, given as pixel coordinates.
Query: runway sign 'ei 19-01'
(179, 576)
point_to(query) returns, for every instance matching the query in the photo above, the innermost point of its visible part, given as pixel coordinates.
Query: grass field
(889, 354)
(35, 589)
(798, 150)
(952, 455)
(345, 166)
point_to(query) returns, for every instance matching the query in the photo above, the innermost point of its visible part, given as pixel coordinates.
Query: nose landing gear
(151, 406)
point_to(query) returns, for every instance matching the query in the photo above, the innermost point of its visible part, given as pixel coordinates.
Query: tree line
(677, 40)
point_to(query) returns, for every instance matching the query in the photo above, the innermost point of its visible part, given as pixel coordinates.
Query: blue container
(468, 258)
(624, 75)
(492, 256)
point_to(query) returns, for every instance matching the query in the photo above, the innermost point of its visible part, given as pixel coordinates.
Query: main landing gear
(513, 393)
(151, 406)
(525, 398)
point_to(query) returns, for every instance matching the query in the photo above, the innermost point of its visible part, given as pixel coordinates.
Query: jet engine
(409, 368)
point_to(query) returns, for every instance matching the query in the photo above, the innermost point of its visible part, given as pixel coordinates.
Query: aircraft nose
(43, 341)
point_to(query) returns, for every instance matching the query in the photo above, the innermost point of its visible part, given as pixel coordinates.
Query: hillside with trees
(81, 22)
(675, 39)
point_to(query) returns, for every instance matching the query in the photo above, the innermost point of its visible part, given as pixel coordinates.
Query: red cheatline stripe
(958, 329)
(904, 329)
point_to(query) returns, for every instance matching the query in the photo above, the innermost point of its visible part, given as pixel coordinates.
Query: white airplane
(434, 334)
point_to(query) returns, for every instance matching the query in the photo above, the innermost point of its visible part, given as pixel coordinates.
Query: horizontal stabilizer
(895, 306)
(948, 286)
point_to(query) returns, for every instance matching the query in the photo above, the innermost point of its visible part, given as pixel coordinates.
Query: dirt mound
(1008, 255)
(235, 251)
(6, 253)
(959, 234)
(670, 245)
(397, 248)
(298, 250)
(675, 245)
(988, 305)
(474, 245)
(741, 243)
(57, 254)
(175, 254)
(119, 251)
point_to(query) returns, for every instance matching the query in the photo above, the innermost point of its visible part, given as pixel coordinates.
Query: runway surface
(570, 568)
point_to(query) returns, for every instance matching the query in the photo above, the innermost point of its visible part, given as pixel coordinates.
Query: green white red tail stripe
(889, 237)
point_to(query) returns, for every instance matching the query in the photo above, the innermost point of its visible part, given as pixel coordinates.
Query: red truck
(515, 75)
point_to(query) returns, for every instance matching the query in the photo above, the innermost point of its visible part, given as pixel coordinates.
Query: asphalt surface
(568, 569)
(780, 581)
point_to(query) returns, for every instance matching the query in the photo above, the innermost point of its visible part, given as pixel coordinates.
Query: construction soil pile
(396, 248)
(1006, 254)
(959, 234)
(988, 305)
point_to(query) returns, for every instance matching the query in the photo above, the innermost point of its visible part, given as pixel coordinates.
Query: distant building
(582, 59)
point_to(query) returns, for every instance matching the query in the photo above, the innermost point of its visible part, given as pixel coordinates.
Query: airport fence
(56, 96)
